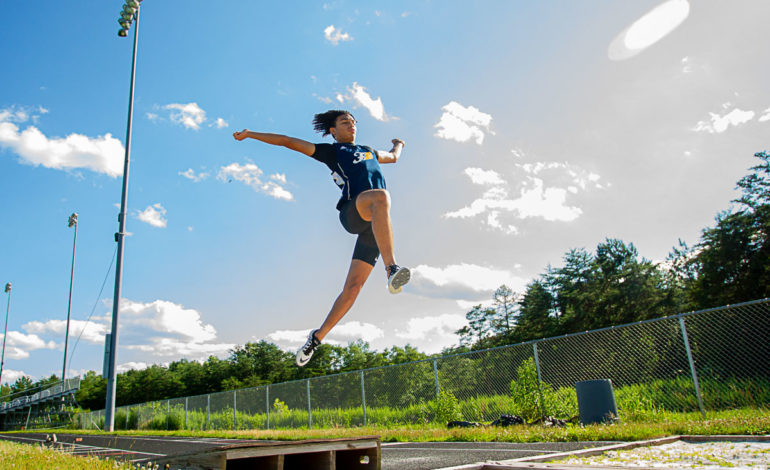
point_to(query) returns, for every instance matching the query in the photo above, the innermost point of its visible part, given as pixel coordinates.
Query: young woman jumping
(364, 208)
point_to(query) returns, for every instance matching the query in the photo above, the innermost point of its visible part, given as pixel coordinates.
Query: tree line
(611, 286)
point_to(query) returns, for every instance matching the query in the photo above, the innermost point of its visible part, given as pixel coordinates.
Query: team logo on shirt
(361, 156)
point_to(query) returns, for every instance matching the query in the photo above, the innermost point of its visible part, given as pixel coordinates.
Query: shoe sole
(398, 280)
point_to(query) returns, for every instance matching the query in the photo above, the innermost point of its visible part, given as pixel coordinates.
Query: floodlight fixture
(8, 288)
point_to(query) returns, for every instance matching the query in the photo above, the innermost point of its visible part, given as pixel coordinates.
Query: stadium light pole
(129, 14)
(5, 332)
(73, 222)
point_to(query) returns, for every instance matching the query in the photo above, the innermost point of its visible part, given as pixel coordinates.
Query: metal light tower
(129, 14)
(5, 332)
(73, 222)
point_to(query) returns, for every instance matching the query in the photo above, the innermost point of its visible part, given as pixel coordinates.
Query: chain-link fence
(708, 360)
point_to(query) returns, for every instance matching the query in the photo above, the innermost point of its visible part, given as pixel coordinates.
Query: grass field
(26, 457)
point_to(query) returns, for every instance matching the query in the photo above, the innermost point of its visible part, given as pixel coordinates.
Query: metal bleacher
(44, 408)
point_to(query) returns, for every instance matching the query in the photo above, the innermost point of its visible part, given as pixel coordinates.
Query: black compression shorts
(366, 246)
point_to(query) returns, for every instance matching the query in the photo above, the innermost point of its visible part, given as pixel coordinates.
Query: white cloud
(10, 376)
(220, 123)
(462, 123)
(649, 29)
(719, 124)
(251, 175)
(154, 215)
(189, 115)
(356, 330)
(462, 281)
(341, 334)
(131, 366)
(479, 176)
(160, 329)
(92, 332)
(765, 115)
(103, 154)
(294, 337)
(167, 317)
(190, 175)
(535, 198)
(18, 345)
(422, 328)
(335, 36)
(169, 347)
(358, 96)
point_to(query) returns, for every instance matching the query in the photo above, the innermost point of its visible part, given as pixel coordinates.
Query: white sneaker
(397, 278)
(306, 352)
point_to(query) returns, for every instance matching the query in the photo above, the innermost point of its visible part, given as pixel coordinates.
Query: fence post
(235, 416)
(168, 412)
(539, 379)
(309, 416)
(208, 411)
(692, 366)
(185, 413)
(363, 396)
(267, 405)
(435, 377)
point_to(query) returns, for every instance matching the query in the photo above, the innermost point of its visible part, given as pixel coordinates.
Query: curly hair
(322, 122)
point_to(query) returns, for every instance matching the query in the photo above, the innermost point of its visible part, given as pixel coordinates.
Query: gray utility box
(596, 401)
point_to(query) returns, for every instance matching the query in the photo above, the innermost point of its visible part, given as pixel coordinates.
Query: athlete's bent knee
(381, 198)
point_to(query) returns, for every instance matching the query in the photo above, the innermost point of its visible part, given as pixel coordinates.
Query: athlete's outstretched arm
(392, 156)
(292, 143)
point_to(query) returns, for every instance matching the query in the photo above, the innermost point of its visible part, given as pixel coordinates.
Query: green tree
(535, 319)
(479, 328)
(505, 306)
(732, 259)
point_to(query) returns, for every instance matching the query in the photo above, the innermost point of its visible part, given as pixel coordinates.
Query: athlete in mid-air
(364, 207)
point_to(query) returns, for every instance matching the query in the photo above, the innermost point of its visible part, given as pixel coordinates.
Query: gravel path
(697, 456)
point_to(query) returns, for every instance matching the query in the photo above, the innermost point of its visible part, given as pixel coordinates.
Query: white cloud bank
(335, 36)
(160, 329)
(536, 199)
(462, 281)
(343, 333)
(18, 345)
(103, 154)
(461, 124)
(358, 96)
(92, 332)
(251, 175)
(154, 215)
(426, 328)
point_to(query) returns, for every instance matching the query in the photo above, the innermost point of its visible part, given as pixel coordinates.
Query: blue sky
(531, 128)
